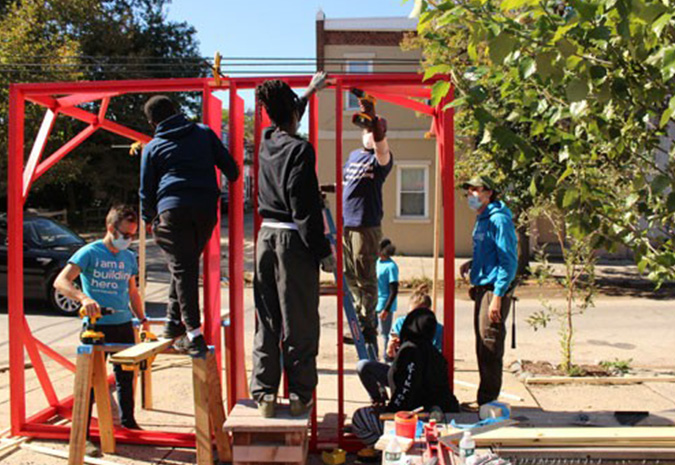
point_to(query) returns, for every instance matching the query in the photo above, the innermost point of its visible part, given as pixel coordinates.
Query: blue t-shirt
(362, 180)
(387, 273)
(105, 278)
(438, 337)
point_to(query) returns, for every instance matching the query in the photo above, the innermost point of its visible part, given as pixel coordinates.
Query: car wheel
(62, 304)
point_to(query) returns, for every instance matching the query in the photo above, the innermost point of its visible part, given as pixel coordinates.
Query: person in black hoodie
(418, 377)
(179, 197)
(290, 246)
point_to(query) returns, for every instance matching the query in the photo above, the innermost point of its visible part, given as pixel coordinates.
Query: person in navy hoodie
(363, 177)
(179, 197)
(492, 272)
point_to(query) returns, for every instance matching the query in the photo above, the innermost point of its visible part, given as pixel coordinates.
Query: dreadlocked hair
(278, 99)
(420, 297)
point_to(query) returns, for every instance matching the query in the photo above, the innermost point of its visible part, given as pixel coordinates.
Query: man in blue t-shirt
(362, 177)
(108, 271)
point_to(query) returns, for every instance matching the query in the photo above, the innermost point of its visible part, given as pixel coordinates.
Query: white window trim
(367, 57)
(425, 164)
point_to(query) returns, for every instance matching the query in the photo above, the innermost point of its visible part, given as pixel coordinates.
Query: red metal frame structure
(64, 98)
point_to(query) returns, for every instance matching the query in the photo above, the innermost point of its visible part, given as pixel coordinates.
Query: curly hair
(279, 100)
(420, 297)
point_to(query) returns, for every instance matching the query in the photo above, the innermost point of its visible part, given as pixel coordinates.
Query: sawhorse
(91, 372)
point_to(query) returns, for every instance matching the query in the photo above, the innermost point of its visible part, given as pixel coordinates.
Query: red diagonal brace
(37, 150)
(54, 355)
(64, 150)
(39, 367)
(76, 99)
(403, 91)
(404, 102)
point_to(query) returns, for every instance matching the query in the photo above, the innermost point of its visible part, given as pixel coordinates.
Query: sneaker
(298, 407)
(267, 406)
(197, 347)
(131, 425)
(92, 450)
(173, 330)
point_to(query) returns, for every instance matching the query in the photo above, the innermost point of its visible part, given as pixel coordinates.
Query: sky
(270, 28)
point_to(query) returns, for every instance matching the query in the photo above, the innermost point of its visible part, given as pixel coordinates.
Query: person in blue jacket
(179, 197)
(492, 272)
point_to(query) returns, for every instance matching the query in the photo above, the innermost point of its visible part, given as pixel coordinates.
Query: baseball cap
(480, 181)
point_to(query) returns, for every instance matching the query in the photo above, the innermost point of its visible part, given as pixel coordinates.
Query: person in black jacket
(179, 197)
(290, 246)
(418, 377)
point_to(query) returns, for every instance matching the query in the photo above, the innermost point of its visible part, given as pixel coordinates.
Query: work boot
(92, 450)
(173, 330)
(267, 406)
(197, 347)
(131, 425)
(298, 407)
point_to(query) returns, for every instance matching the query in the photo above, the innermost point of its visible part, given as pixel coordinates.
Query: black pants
(490, 339)
(124, 380)
(182, 233)
(286, 290)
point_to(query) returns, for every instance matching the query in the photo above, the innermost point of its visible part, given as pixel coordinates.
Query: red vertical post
(17, 385)
(338, 251)
(314, 140)
(212, 113)
(447, 137)
(257, 134)
(235, 331)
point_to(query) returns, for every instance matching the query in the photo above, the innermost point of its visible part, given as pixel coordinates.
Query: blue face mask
(474, 203)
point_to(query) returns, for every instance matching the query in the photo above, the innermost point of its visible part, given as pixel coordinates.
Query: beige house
(365, 45)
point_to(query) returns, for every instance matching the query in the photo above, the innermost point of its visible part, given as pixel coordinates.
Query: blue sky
(270, 28)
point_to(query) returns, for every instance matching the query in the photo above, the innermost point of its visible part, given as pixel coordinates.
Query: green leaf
(533, 187)
(668, 66)
(570, 198)
(527, 67)
(659, 184)
(436, 69)
(438, 91)
(577, 90)
(458, 102)
(505, 137)
(586, 10)
(516, 4)
(544, 63)
(562, 32)
(668, 113)
(662, 21)
(579, 109)
(566, 48)
(598, 72)
(500, 47)
(567, 172)
(670, 203)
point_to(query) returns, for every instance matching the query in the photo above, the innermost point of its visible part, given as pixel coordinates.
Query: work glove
(328, 264)
(318, 81)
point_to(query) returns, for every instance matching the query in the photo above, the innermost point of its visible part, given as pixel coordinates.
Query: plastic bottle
(467, 447)
(393, 454)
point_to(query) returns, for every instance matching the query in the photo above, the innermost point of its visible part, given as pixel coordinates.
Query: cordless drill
(89, 335)
(360, 119)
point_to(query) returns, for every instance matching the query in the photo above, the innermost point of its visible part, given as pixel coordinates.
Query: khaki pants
(490, 339)
(360, 247)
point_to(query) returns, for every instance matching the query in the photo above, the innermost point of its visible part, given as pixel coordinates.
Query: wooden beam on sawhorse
(90, 373)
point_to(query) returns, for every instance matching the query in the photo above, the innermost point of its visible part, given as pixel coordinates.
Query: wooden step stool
(258, 440)
(91, 372)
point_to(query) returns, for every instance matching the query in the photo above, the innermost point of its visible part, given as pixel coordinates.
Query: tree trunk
(523, 251)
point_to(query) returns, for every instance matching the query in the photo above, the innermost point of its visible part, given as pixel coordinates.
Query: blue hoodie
(178, 167)
(495, 248)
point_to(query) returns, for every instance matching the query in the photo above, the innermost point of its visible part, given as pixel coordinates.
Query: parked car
(47, 247)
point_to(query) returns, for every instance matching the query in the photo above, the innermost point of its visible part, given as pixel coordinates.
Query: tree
(570, 102)
(87, 39)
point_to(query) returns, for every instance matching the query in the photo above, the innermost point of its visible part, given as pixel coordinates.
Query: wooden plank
(64, 455)
(216, 409)
(84, 369)
(656, 436)
(268, 453)
(202, 421)
(245, 417)
(597, 380)
(103, 407)
(146, 388)
(619, 453)
(140, 352)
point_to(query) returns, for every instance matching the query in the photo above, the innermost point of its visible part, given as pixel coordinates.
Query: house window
(412, 187)
(356, 67)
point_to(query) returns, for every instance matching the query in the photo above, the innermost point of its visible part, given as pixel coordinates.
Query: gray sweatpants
(286, 290)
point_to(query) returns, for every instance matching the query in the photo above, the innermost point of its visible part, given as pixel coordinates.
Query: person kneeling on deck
(108, 271)
(290, 246)
(418, 377)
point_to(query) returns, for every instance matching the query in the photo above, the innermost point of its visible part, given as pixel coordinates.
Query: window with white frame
(356, 66)
(412, 190)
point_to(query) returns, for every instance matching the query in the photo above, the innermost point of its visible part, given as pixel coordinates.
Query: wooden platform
(258, 440)
(140, 352)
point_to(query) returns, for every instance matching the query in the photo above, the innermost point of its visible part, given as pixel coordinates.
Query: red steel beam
(39, 367)
(51, 353)
(314, 141)
(77, 99)
(64, 150)
(410, 91)
(17, 385)
(119, 87)
(403, 102)
(339, 258)
(104, 108)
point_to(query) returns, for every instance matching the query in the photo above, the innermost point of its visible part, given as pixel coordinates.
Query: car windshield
(48, 233)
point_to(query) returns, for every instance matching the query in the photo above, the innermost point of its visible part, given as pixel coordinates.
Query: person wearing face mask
(363, 177)
(179, 198)
(491, 272)
(108, 272)
(290, 246)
